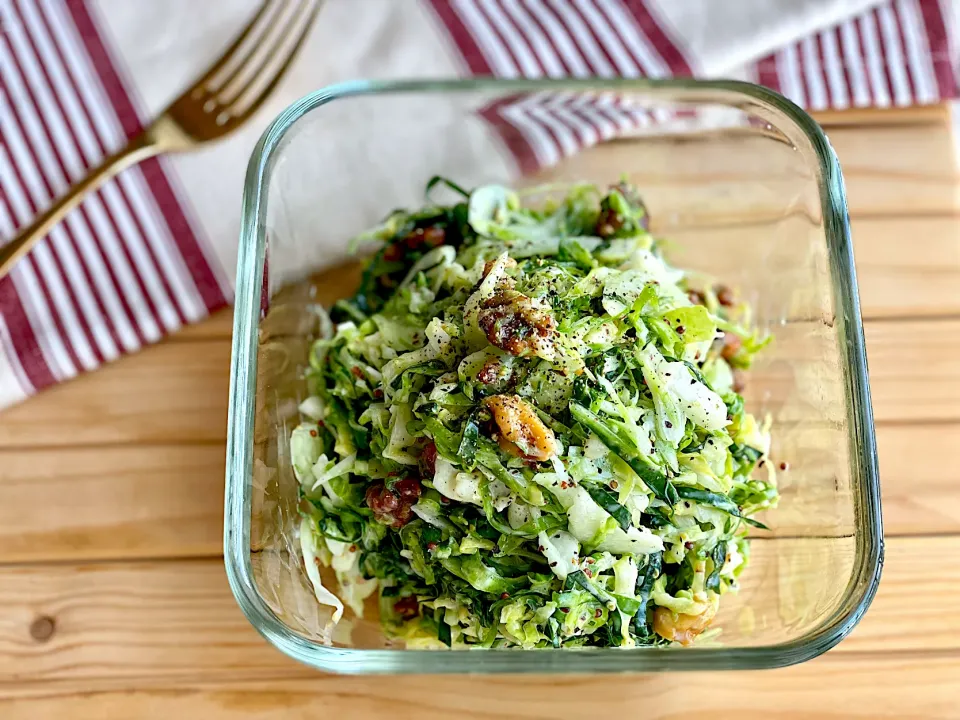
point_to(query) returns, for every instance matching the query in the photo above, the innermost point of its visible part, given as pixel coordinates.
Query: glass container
(740, 183)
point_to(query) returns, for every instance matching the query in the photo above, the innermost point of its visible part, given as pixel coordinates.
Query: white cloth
(403, 39)
(156, 249)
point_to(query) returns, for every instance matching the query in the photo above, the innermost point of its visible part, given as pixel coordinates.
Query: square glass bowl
(741, 183)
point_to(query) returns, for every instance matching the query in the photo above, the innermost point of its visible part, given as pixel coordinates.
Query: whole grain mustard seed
(478, 399)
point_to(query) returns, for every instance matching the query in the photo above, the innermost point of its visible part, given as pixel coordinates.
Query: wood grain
(834, 687)
(126, 465)
(218, 326)
(177, 392)
(886, 192)
(173, 392)
(921, 492)
(864, 118)
(898, 172)
(176, 621)
(166, 501)
(168, 620)
(895, 280)
(913, 372)
(91, 503)
(888, 171)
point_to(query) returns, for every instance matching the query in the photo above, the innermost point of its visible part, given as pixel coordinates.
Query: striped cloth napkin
(155, 249)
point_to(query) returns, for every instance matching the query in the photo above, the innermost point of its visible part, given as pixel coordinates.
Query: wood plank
(891, 172)
(173, 392)
(91, 503)
(863, 118)
(168, 620)
(913, 374)
(898, 171)
(908, 267)
(217, 326)
(898, 620)
(174, 622)
(921, 492)
(167, 500)
(177, 392)
(895, 280)
(888, 171)
(831, 687)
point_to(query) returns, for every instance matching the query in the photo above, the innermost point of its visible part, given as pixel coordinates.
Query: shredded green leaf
(522, 431)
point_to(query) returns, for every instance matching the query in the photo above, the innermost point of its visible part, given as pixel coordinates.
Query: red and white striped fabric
(154, 248)
(895, 53)
(559, 39)
(127, 267)
(540, 129)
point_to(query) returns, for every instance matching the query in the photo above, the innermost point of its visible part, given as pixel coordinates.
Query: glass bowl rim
(868, 562)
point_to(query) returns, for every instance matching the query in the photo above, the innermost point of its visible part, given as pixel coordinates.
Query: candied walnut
(519, 325)
(393, 507)
(430, 237)
(490, 372)
(609, 223)
(519, 424)
(407, 607)
(418, 238)
(725, 295)
(682, 628)
(488, 265)
(407, 489)
(495, 372)
(731, 346)
(428, 459)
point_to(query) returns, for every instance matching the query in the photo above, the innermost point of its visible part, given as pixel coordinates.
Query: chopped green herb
(520, 431)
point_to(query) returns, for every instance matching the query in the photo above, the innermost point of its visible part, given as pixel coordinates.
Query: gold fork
(215, 105)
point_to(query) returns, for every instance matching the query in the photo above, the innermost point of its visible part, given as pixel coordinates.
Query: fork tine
(261, 45)
(234, 46)
(307, 18)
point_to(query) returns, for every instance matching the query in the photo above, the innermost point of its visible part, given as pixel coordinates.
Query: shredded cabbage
(524, 430)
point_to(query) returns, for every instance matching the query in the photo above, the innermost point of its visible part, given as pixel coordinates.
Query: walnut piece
(519, 424)
(518, 324)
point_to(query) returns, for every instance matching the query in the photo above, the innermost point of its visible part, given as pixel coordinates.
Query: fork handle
(139, 148)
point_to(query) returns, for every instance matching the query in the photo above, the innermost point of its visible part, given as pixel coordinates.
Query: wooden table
(114, 603)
